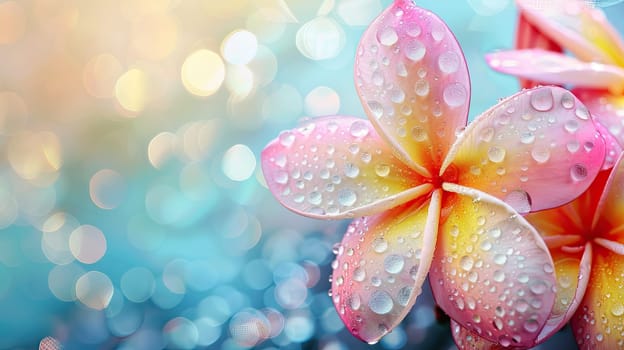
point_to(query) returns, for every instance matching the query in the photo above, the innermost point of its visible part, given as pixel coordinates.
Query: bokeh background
(133, 213)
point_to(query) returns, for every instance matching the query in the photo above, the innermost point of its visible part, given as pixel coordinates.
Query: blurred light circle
(330, 321)
(181, 333)
(88, 244)
(196, 184)
(13, 111)
(62, 279)
(321, 101)
(264, 66)
(201, 275)
(127, 321)
(107, 188)
(154, 36)
(257, 274)
(203, 72)
(359, 12)
(94, 289)
(35, 156)
(239, 80)
(216, 308)
(173, 275)
(100, 75)
(267, 23)
(164, 298)
(166, 205)
(299, 328)
(55, 238)
(276, 320)
(137, 284)
(49, 343)
(488, 7)
(397, 339)
(238, 162)
(161, 149)
(12, 22)
(208, 331)
(249, 327)
(239, 47)
(131, 90)
(320, 39)
(291, 293)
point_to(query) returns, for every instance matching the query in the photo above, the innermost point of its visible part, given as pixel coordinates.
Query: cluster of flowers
(516, 218)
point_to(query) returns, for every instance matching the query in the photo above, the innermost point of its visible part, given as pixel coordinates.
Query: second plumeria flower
(436, 198)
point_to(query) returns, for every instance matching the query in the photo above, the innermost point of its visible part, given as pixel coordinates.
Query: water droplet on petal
(359, 129)
(394, 263)
(499, 276)
(387, 36)
(415, 50)
(578, 172)
(542, 99)
(281, 177)
(617, 310)
(437, 31)
(500, 259)
(448, 62)
(346, 197)
(404, 295)
(286, 138)
(421, 88)
(496, 154)
(412, 28)
(382, 170)
(466, 263)
(527, 138)
(352, 170)
(376, 108)
(354, 302)
(380, 245)
(571, 126)
(567, 100)
(519, 200)
(359, 274)
(582, 113)
(540, 154)
(531, 325)
(380, 302)
(455, 94)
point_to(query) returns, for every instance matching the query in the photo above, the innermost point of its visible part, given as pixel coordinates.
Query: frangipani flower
(432, 195)
(586, 240)
(597, 70)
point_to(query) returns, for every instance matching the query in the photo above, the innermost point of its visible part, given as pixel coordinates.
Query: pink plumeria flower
(586, 240)
(433, 198)
(596, 70)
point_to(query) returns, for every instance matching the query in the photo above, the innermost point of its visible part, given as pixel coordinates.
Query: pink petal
(599, 321)
(337, 167)
(607, 108)
(381, 265)
(609, 222)
(528, 36)
(578, 27)
(413, 81)
(555, 68)
(491, 272)
(535, 150)
(467, 340)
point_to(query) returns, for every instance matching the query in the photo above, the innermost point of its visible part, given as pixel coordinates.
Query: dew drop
(542, 100)
(486, 246)
(519, 200)
(394, 263)
(567, 100)
(531, 325)
(498, 323)
(578, 172)
(375, 281)
(466, 262)
(495, 232)
(421, 88)
(573, 146)
(359, 129)
(403, 296)
(538, 287)
(448, 62)
(412, 28)
(315, 198)
(354, 302)
(540, 154)
(523, 278)
(617, 310)
(496, 154)
(352, 170)
(382, 170)
(571, 126)
(419, 134)
(376, 108)
(527, 138)
(454, 95)
(415, 50)
(473, 276)
(582, 113)
(359, 274)
(437, 31)
(500, 259)
(387, 36)
(588, 146)
(380, 302)
(346, 197)
(499, 276)
(397, 96)
(286, 138)
(380, 245)
(281, 177)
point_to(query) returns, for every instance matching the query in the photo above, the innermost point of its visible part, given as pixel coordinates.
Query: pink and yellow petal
(467, 340)
(577, 27)
(536, 150)
(607, 108)
(555, 68)
(413, 82)
(491, 271)
(599, 321)
(381, 265)
(337, 167)
(609, 220)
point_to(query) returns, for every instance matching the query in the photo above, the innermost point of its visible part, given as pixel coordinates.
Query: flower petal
(491, 272)
(381, 265)
(535, 150)
(529, 37)
(467, 340)
(413, 81)
(608, 221)
(337, 167)
(599, 320)
(578, 27)
(556, 68)
(607, 108)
